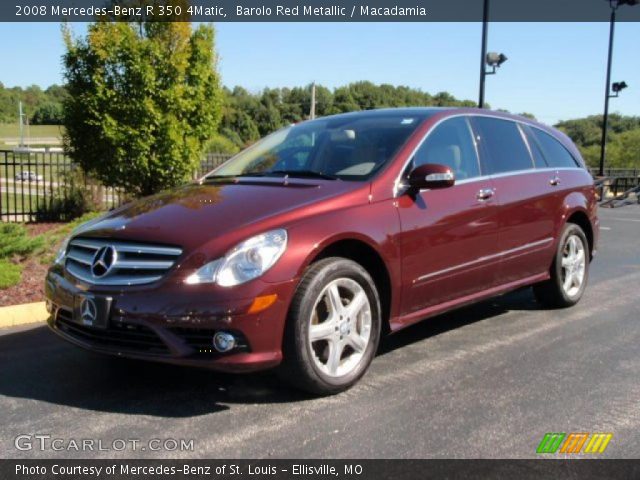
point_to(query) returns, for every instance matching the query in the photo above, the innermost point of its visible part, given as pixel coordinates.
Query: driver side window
(451, 144)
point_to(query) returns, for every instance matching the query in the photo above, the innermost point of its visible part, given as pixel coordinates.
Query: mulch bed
(31, 286)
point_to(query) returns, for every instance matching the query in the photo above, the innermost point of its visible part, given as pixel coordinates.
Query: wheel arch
(581, 219)
(576, 211)
(365, 254)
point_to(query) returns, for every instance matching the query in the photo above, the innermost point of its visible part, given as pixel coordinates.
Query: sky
(555, 70)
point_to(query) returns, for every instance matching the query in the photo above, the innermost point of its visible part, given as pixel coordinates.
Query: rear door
(527, 201)
(449, 235)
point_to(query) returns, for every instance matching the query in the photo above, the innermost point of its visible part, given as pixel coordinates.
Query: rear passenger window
(450, 144)
(534, 146)
(504, 145)
(556, 155)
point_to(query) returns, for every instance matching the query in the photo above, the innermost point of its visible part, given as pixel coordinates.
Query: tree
(49, 113)
(143, 101)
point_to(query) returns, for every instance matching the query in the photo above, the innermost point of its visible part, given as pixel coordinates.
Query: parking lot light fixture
(607, 95)
(617, 87)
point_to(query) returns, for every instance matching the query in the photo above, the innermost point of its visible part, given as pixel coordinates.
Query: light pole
(607, 91)
(491, 59)
(483, 52)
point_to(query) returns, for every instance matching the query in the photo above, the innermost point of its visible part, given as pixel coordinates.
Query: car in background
(28, 176)
(303, 250)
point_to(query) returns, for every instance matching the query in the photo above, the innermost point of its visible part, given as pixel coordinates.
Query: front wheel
(333, 327)
(569, 271)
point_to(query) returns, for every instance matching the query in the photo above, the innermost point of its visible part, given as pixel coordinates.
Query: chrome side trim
(494, 256)
(511, 174)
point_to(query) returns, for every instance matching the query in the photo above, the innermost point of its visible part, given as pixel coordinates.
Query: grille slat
(79, 256)
(132, 263)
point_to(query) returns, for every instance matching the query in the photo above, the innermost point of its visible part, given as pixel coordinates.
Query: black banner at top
(316, 10)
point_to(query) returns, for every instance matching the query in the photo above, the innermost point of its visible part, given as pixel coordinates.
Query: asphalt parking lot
(485, 381)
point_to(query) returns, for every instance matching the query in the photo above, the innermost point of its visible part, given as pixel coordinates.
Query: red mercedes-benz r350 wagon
(302, 250)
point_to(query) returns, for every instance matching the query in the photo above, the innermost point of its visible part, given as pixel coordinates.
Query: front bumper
(175, 323)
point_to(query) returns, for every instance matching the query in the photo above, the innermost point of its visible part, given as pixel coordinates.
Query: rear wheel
(569, 271)
(333, 327)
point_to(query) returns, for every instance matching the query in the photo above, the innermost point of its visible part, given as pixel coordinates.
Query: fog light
(223, 342)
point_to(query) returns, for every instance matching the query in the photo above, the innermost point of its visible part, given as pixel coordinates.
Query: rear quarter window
(554, 152)
(503, 145)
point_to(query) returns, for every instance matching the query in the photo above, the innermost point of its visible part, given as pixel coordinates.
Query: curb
(26, 313)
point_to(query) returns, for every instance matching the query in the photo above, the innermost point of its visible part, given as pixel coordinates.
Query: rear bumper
(175, 324)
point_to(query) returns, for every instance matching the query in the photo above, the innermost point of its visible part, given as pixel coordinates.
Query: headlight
(59, 258)
(247, 261)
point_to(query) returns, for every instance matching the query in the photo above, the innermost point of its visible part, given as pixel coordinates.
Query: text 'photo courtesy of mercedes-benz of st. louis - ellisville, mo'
(355, 239)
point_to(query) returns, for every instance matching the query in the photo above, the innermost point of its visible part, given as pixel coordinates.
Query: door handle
(485, 194)
(555, 181)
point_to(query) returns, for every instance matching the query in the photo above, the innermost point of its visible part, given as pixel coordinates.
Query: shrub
(15, 241)
(221, 144)
(9, 274)
(71, 201)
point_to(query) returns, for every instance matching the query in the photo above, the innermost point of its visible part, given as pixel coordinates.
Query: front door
(449, 236)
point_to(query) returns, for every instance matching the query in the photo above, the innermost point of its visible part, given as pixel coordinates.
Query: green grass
(12, 130)
(9, 273)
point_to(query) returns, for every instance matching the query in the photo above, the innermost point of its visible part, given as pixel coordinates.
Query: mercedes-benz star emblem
(88, 311)
(103, 260)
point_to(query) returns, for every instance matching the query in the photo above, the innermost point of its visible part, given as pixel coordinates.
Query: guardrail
(617, 184)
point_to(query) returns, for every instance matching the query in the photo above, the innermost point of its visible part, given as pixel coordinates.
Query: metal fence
(48, 186)
(617, 180)
(211, 161)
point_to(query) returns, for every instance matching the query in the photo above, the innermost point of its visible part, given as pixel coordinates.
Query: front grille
(125, 263)
(119, 335)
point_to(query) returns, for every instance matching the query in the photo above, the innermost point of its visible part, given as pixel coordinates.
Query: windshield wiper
(249, 174)
(303, 173)
(291, 173)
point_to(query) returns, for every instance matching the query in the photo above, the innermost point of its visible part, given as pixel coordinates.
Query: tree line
(42, 107)
(248, 116)
(623, 146)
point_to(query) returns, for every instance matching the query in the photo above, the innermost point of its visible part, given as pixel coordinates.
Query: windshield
(348, 147)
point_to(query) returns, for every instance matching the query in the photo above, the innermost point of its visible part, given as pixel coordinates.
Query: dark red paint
(441, 248)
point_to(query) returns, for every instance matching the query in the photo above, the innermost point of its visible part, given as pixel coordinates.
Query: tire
(554, 293)
(345, 340)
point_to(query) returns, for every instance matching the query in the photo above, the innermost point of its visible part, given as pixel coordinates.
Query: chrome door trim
(494, 256)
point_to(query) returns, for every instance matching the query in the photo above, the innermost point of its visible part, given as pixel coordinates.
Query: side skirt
(399, 323)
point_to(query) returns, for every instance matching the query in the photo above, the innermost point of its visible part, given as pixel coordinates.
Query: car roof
(425, 112)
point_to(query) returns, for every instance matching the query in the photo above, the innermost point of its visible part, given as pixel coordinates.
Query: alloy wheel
(573, 265)
(340, 327)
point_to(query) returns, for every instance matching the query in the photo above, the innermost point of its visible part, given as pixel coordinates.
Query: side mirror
(431, 175)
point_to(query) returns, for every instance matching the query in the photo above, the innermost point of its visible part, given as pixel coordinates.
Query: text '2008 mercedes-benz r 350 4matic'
(302, 250)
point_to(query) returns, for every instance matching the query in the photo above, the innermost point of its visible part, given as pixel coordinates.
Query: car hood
(192, 215)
